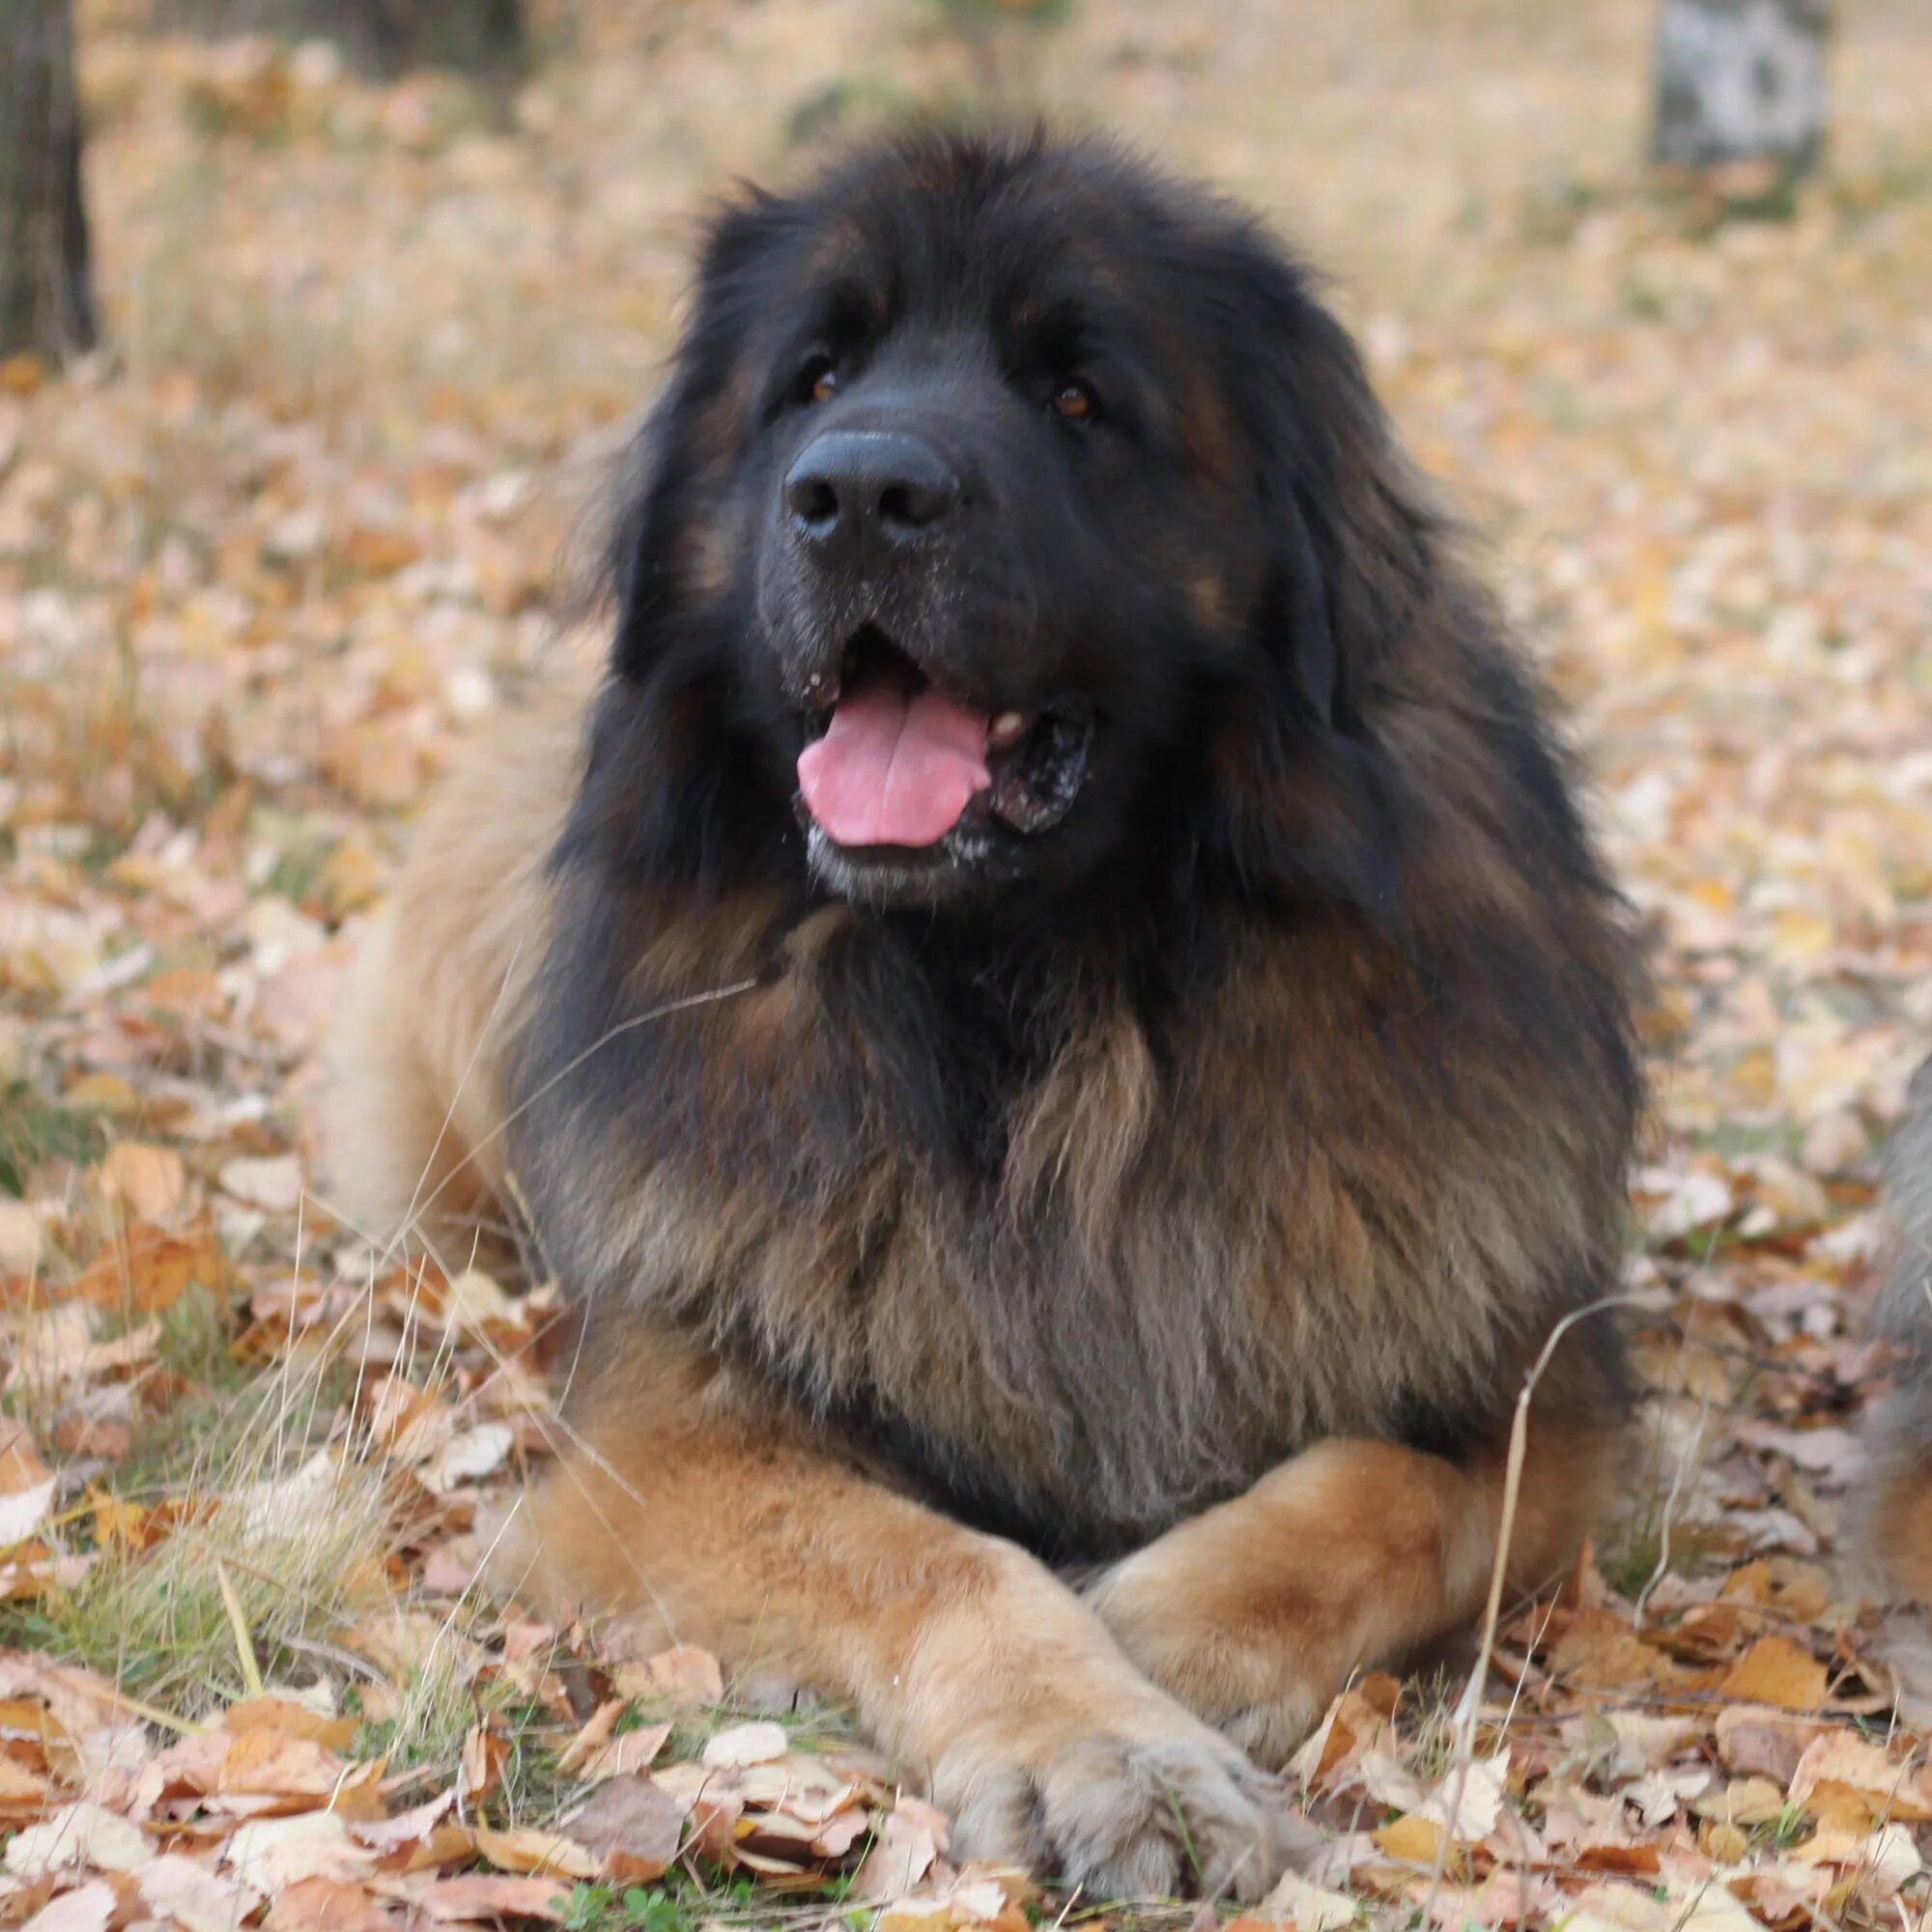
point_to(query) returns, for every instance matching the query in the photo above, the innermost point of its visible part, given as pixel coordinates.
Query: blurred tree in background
(980, 23)
(46, 283)
(1741, 88)
(486, 38)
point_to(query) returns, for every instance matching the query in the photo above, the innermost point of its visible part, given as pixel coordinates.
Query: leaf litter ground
(260, 571)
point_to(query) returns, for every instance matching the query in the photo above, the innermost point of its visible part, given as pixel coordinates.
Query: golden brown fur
(1077, 1337)
(415, 1128)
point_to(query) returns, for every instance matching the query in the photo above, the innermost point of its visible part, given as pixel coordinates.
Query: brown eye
(818, 379)
(1076, 401)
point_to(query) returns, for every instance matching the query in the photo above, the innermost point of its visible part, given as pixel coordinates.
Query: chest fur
(1152, 1283)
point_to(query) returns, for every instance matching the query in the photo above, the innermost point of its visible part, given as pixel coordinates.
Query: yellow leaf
(541, 1851)
(147, 1183)
(1411, 1838)
(1801, 937)
(1775, 1672)
(103, 1094)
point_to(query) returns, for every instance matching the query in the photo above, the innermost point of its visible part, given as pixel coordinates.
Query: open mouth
(895, 762)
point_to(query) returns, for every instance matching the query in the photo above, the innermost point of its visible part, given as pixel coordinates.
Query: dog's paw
(1143, 1804)
(1264, 1694)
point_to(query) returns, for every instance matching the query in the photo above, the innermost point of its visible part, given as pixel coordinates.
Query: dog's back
(415, 1139)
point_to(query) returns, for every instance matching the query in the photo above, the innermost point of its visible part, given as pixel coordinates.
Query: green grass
(682, 1903)
(274, 1552)
(159, 1622)
(35, 1130)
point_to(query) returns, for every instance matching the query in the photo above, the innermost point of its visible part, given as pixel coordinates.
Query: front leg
(1349, 1556)
(711, 1521)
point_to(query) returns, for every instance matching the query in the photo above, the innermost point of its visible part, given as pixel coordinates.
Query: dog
(1056, 1014)
(1889, 1521)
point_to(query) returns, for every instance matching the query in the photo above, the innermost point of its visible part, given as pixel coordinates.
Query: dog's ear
(1306, 801)
(677, 465)
(673, 794)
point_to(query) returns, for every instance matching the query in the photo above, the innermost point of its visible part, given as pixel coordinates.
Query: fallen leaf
(1411, 1838)
(1902, 1788)
(1769, 1743)
(684, 1679)
(901, 1856)
(147, 1183)
(271, 1854)
(292, 1719)
(272, 1182)
(26, 1485)
(633, 1825)
(328, 1905)
(531, 1851)
(149, 1270)
(1308, 1907)
(455, 1901)
(19, 1237)
(1775, 1672)
(192, 1897)
(91, 1908)
(758, 1743)
(78, 1835)
(624, 1754)
(466, 1456)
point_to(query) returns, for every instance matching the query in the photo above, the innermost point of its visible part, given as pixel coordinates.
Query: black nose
(868, 494)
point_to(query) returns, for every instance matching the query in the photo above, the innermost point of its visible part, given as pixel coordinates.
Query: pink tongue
(892, 770)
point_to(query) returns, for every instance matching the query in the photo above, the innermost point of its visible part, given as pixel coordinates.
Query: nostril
(912, 505)
(814, 501)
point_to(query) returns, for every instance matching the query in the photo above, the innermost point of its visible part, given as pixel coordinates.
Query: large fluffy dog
(1059, 1020)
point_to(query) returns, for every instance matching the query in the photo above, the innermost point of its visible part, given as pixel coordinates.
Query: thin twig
(1463, 1726)
(1693, 1444)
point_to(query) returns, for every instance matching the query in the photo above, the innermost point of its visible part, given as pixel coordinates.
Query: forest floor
(263, 562)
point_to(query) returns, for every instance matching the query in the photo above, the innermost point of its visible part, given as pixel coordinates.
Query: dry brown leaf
(760, 1742)
(272, 1182)
(1777, 1672)
(684, 1679)
(20, 1238)
(269, 1854)
(455, 1901)
(1411, 1837)
(629, 1752)
(1755, 1741)
(90, 1908)
(1308, 1907)
(327, 1905)
(186, 1894)
(83, 1835)
(1901, 1786)
(26, 1485)
(149, 1270)
(538, 1851)
(281, 1764)
(145, 1182)
(902, 1854)
(292, 1719)
(633, 1825)
(595, 1732)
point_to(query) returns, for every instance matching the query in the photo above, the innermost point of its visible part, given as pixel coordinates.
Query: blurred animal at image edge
(1055, 1014)
(1891, 1518)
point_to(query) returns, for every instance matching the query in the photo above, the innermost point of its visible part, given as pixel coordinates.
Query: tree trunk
(1741, 83)
(480, 37)
(485, 38)
(46, 282)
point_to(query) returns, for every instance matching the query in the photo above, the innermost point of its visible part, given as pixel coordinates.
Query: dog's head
(1010, 510)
